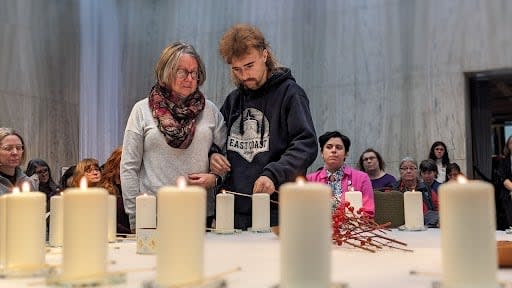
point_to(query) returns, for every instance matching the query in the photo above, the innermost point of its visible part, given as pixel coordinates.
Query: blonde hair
(82, 167)
(168, 63)
(4, 132)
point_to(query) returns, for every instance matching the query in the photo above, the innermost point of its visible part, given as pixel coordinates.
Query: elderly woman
(372, 164)
(170, 132)
(409, 181)
(334, 147)
(46, 185)
(12, 154)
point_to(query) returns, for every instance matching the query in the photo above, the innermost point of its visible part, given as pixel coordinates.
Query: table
(258, 256)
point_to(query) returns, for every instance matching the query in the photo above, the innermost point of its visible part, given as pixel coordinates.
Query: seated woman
(89, 169)
(44, 175)
(439, 153)
(409, 181)
(334, 147)
(111, 181)
(12, 154)
(371, 163)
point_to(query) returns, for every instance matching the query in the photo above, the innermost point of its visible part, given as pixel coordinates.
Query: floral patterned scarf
(176, 116)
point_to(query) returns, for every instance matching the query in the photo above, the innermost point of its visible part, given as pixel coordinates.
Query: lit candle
(181, 227)
(305, 232)
(413, 210)
(3, 216)
(468, 234)
(25, 229)
(145, 212)
(56, 221)
(355, 198)
(111, 218)
(260, 212)
(225, 212)
(84, 249)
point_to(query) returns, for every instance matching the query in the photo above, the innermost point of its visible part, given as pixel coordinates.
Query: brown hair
(382, 165)
(237, 41)
(168, 63)
(111, 172)
(4, 132)
(82, 167)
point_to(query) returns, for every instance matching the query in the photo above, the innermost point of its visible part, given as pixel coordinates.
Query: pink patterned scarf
(176, 115)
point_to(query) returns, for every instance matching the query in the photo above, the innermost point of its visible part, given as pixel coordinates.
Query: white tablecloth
(258, 256)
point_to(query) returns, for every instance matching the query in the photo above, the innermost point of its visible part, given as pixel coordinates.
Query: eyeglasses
(9, 148)
(183, 74)
(42, 171)
(371, 158)
(92, 169)
(408, 168)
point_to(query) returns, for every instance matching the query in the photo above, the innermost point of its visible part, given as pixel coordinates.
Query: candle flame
(351, 189)
(145, 194)
(25, 187)
(15, 190)
(83, 184)
(461, 179)
(223, 191)
(181, 182)
(300, 180)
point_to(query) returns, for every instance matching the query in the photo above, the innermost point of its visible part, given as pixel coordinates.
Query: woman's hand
(205, 180)
(219, 164)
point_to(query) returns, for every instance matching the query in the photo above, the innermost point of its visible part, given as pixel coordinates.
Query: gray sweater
(6, 185)
(148, 162)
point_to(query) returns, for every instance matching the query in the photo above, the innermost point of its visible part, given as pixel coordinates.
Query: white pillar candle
(413, 210)
(25, 230)
(468, 234)
(260, 212)
(111, 218)
(85, 244)
(56, 221)
(355, 198)
(3, 216)
(305, 232)
(145, 211)
(180, 234)
(225, 211)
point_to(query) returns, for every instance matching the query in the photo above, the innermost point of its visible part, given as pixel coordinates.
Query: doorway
(490, 95)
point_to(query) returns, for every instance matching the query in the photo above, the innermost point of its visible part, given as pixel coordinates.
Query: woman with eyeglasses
(169, 133)
(88, 168)
(409, 181)
(12, 154)
(46, 184)
(372, 164)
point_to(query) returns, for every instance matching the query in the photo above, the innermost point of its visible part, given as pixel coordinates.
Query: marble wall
(389, 74)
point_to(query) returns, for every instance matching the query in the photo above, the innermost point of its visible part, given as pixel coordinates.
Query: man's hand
(263, 185)
(219, 164)
(205, 180)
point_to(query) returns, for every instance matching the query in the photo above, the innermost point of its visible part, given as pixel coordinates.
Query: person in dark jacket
(271, 138)
(44, 175)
